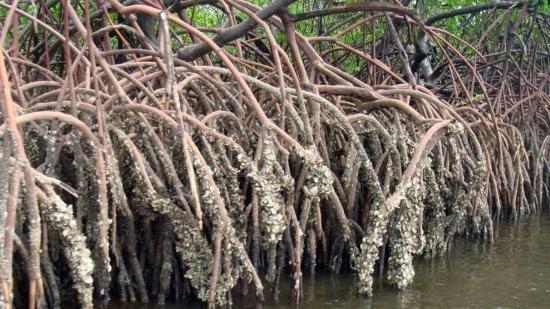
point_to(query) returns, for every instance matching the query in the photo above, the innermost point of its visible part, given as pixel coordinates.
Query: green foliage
(212, 17)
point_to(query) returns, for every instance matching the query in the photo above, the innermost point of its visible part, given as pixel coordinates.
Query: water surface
(513, 272)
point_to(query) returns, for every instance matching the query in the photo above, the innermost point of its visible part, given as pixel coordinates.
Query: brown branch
(472, 10)
(357, 7)
(8, 108)
(195, 51)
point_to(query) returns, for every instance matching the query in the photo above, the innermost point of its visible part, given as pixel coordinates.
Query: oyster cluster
(369, 248)
(318, 179)
(269, 188)
(435, 214)
(406, 236)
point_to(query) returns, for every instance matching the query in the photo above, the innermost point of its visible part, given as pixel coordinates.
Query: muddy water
(512, 273)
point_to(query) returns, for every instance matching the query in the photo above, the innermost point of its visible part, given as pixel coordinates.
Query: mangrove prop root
(154, 157)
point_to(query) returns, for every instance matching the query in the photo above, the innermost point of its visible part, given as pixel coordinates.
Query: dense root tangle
(187, 148)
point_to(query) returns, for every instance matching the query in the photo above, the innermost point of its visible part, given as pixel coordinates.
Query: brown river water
(513, 272)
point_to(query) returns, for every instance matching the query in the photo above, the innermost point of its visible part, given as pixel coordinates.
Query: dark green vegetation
(160, 150)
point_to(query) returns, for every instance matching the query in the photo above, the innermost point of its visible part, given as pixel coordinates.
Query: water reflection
(512, 273)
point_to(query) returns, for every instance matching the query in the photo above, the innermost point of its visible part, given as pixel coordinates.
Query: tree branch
(472, 10)
(194, 51)
(355, 7)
